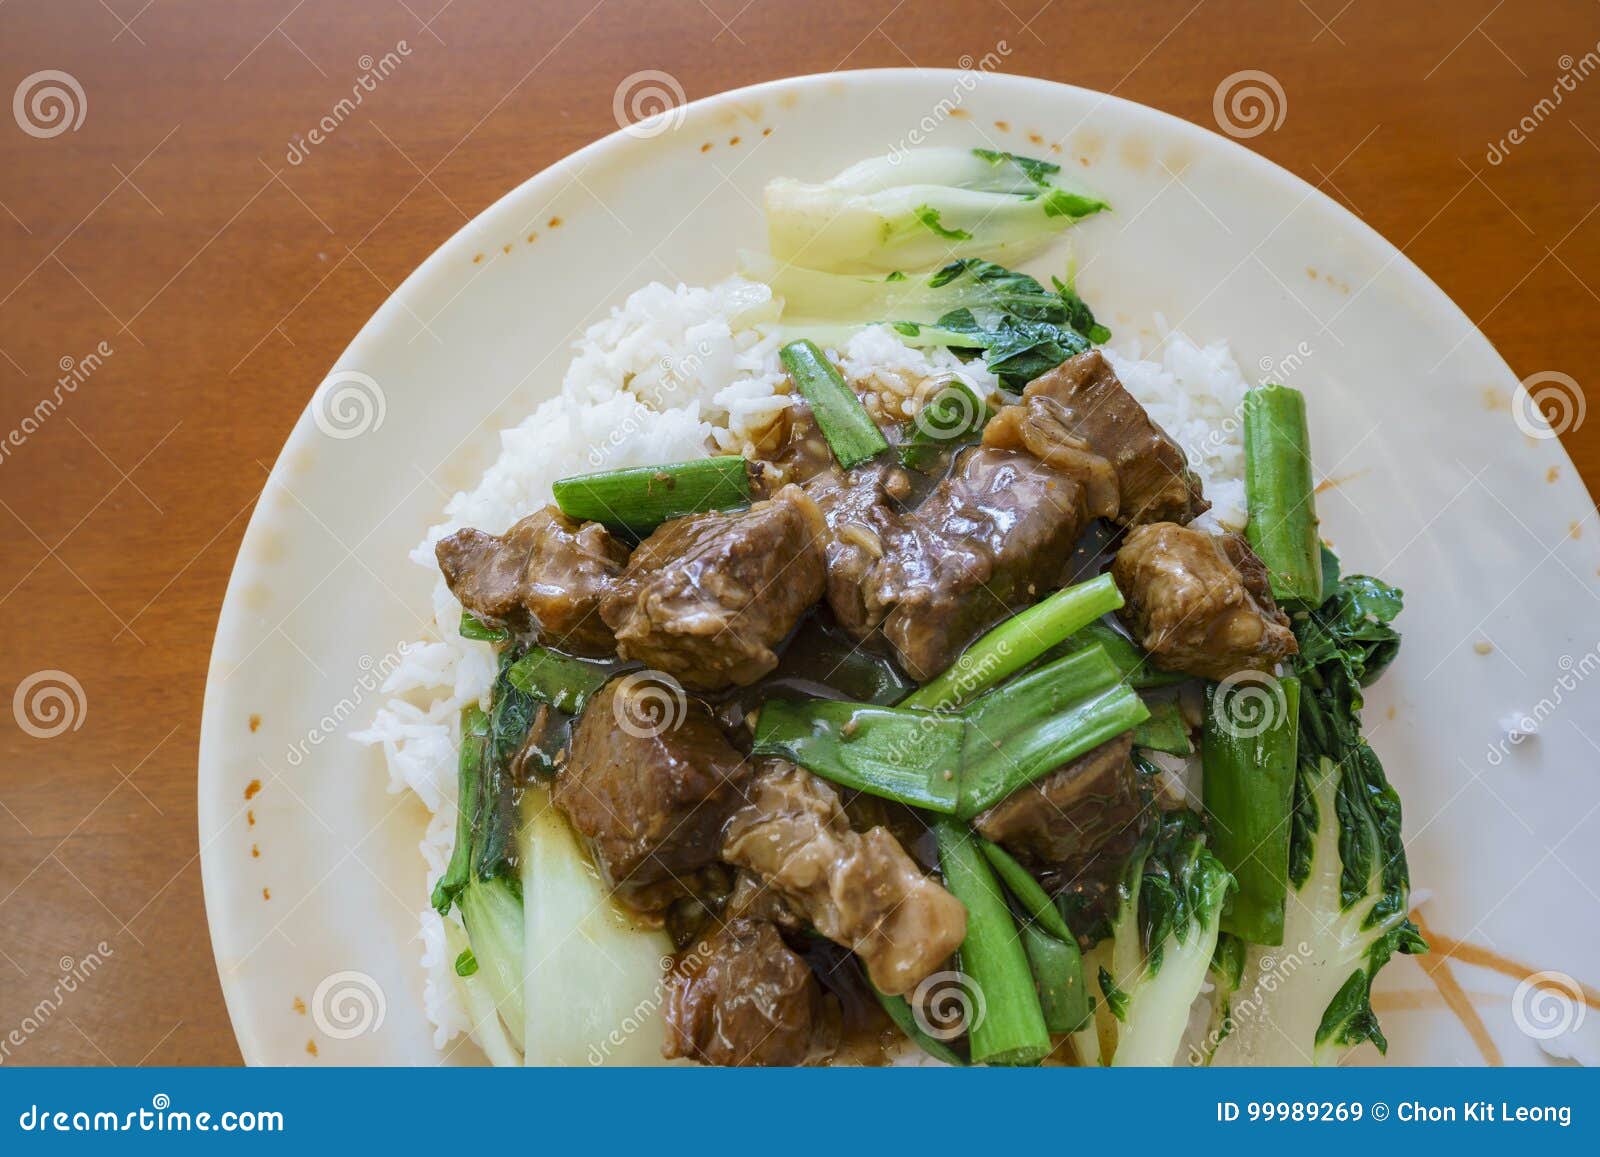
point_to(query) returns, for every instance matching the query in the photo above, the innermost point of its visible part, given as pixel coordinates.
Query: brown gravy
(1436, 966)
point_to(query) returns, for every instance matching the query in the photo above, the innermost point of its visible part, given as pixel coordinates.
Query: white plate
(1439, 491)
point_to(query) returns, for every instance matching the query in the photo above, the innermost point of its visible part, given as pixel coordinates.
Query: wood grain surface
(166, 259)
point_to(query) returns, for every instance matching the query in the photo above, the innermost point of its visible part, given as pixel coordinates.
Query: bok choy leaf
(916, 209)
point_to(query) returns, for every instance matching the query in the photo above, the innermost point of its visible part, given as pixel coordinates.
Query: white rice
(675, 374)
(1196, 394)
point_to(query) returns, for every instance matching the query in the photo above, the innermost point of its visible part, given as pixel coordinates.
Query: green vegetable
(1163, 935)
(1349, 884)
(472, 627)
(1227, 962)
(480, 879)
(1027, 891)
(961, 761)
(1014, 351)
(1058, 975)
(595, 992)
(640, 498)
(1039, 172)
(1165, 730)
(488, 1029)
(913, 757)
(1017, 642)
(469, 780)
(899, 1010)
(919, 208)
(1248, 753)
(1227, 972)
(929, 216)
(987, 290)
(491, 911)
(1280, 493)
(1006, 1026)
(1039, 721)
(851, 433)
(1133, 664)
(1052, 948)
(1022, 329)
(559, 680)
(512, 711)
(1349, 641)
(1116, 999)
(466, 963)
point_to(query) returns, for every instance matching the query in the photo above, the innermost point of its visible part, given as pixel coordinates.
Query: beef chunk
(743, 997)
(1087, 401)
(650, 781)
(991, 538)
(858, 889)
(1042, 426)
(1071, 813)
(547, 572)
(856, 507)
(753, 897)
(707, 597)
(1198, 603)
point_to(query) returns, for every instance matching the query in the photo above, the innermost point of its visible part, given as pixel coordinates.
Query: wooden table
(174, 287)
